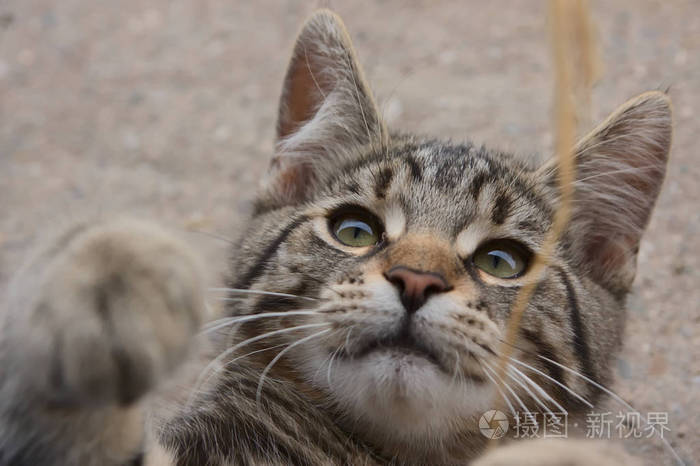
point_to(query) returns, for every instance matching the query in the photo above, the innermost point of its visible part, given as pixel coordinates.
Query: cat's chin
(405, 396)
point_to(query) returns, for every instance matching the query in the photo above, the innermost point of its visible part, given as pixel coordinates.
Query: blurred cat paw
(112, 309)
(557, 452)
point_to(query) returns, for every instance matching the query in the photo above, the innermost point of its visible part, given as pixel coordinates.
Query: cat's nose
(415, 286)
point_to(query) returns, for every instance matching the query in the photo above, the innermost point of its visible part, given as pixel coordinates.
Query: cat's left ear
(620, 167)
(326, 110)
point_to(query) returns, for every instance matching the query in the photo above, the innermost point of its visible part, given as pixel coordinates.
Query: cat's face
(405, 257)
(415, 254)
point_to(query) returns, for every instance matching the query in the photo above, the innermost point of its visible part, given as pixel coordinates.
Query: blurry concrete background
(165, 109)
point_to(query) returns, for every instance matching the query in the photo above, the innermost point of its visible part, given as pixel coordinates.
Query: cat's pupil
(352, 231)
(498, 256)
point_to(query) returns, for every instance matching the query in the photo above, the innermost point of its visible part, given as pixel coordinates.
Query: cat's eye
(502, 258)
(356, 228)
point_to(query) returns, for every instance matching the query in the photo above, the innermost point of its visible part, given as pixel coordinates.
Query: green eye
(356, 229)
(502, 258)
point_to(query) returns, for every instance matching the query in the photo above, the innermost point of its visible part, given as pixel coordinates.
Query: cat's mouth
(403, 342)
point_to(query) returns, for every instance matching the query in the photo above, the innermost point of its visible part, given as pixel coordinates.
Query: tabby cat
(367, 300)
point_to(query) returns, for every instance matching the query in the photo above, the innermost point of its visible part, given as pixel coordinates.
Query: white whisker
(261, 292)
(211, 235)
(512, 392)
(233, 349)
(503, 395)
(277, 358)
(330, 366)
(537, 399)
(225, 322)
(620, 400)
(232, 299)
(539, 389)
(347, 337)
(320, 366)
(553, 380)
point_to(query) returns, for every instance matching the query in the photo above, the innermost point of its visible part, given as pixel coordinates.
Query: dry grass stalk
(572, 53)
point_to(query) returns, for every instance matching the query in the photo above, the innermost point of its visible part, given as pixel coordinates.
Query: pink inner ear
(299, 104)
(302, 94)
(609, 253)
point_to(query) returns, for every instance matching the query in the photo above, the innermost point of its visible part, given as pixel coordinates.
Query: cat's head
(406, 255)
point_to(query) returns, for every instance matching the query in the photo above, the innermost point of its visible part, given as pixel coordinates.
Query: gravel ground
(165, 110)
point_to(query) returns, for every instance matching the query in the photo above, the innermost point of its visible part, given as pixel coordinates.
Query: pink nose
(415, 286)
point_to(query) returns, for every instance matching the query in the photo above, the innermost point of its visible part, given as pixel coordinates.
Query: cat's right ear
(326, 111)
(620, 167)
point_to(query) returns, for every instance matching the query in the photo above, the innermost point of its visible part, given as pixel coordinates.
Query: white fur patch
(471, 237)
(396, 396)
(394, 222)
